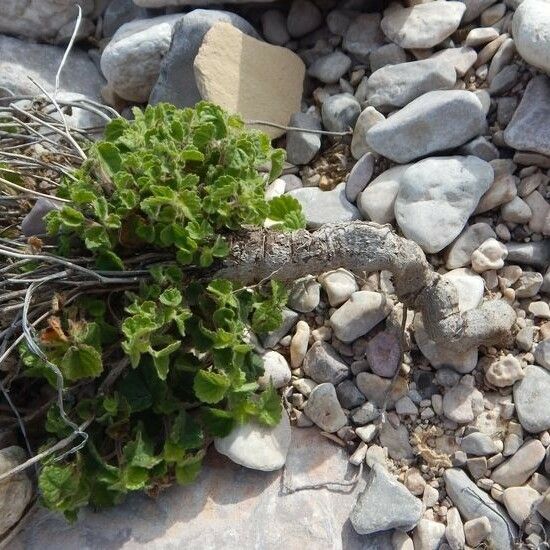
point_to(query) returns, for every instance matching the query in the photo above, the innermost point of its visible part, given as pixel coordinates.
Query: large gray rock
(531, 29)
(435, 121)
(518, 469)
(397, 85)
(131, 60)
(176, 79)
(531, 399)
(47, 20)
(529, 129)
(320, 207)
(16, 491)
(385, 504)
(257, 447)
(228, 507)
(472, 502)
(422, 25)
(437, 196)
(20, 60)
(363, 36)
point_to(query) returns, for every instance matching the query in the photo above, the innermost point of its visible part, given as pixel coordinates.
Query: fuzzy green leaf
(81, 361)
(210, 387)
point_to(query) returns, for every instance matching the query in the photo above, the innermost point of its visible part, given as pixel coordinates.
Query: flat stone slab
(228, 508)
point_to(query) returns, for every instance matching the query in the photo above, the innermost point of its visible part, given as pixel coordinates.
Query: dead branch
(365, 246)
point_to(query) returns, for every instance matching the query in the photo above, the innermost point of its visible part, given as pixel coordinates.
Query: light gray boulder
(531, 30)
(531, 399)
(435, 121)
(437, 196)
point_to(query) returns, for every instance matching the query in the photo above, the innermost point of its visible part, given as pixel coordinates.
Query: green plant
(168, 365)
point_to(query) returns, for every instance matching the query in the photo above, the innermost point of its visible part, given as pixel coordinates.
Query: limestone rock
(531, 30)
(460, 251)
(472, 502)
(304, 295)
(463, 402)
(531, 399)
(273, 76)
(323, 364)
(397, 85)
(489, 255)
(276, 370)
(528, 130)
(361, 313)
(383, 353)
(359, 176)
(422, 25)
(131, 60)
(363, 36)
(257, 447)
(324, 409)
(505, 372)
(16, 491)
(519, 502)
(385, 504)
(428, 535)
(367, 119)
(301, 147)
(320, 207)
(519, 468)
(469, 286)
(339, 285)
(435, 121)
(377, 201)
(340, 112)
(429, 209)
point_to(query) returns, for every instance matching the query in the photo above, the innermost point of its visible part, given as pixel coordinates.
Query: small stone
(339, 285)
(323, 364)
(323, 408)
(274, 27)
(528, 130)
(383, 353)
(460, 251)
(479, 444)
(422, 25)
(256, 446)
(320, 207)
(414, 482)
(530, 398)
(489, 255)
(304, 386)
(544, 506)
(428, 535)
(462, 403)
(388, 54)
(454, 532)
(396, 440)
(519, 503)
(377, 201)
(340, 112)
(385, 504)
(480, 36)
(501, 191)
(374, 388)
(363, 36)
(435, 121)
(477, 530)
(301, 147)
(480, 147)
(528, 284)
(519, 468)
(367, 119)
(472, 502)
(299, 343)
(362, 312)
(428, 210)
(364, 414)
(504, 372)
(304, 17)
(469, 287)
(477, 467)
(530, 27)
(539, 309)
(276, 370)
(330, 68)
(540, 213)
(401, 541)
(304, 295)
(542, 354)
(397, 85)
(359, 176)
(34, 222)
(367, 433)
(349, 395)
(271, 339)
(516, 211)
(274, 76)
(16, 491)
